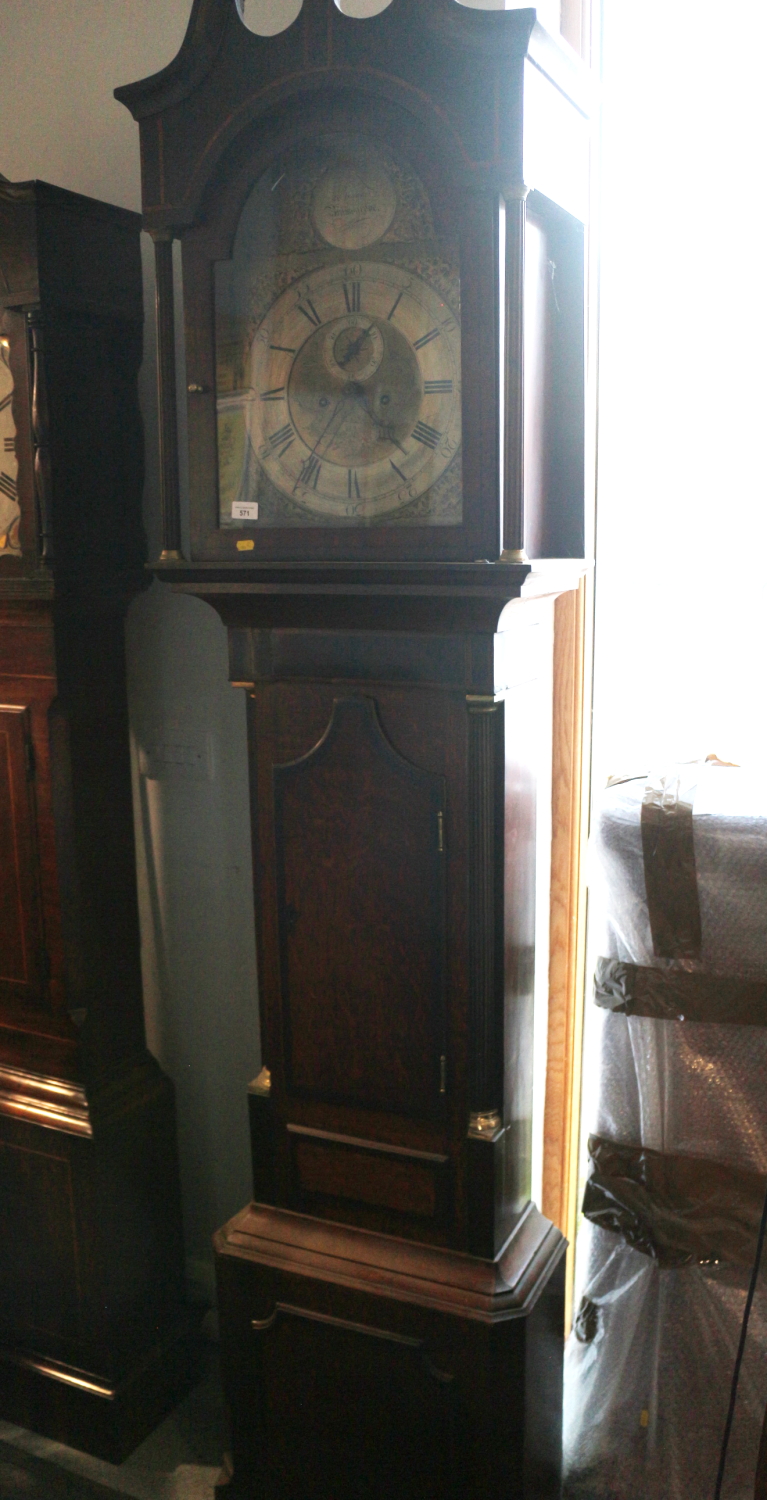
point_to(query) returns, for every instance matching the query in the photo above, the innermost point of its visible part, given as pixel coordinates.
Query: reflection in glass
(9, 500)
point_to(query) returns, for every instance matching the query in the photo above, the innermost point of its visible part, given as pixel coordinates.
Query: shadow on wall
(190, 772)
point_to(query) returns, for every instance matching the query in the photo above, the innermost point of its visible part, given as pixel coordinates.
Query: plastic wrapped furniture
(678, 1145)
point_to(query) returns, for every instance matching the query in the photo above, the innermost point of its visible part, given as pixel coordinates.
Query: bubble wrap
(646, 1396)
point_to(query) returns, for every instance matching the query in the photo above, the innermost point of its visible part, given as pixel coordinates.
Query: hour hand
(354, 348)
(387, 430)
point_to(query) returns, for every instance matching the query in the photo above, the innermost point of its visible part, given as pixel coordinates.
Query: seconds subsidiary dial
(355, 406)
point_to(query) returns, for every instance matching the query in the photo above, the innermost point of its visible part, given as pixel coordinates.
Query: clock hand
(380, 425)
(344, 415)
(354, 348)
(313, 452)
(326, 430)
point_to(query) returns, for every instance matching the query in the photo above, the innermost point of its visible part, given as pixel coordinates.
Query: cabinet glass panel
(338, 347)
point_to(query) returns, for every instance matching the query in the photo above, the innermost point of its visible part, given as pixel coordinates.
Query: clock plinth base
(358, 1366)
(106, 1415)
(96, 1341)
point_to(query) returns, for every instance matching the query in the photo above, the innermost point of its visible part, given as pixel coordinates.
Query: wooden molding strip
(53, 1102)
(61, 1104)
(562, 1112)
(381, 1147)
(66, 1374)
(429, 1276)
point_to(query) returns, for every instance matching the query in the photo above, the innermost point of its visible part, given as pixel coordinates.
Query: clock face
(9, 504)
(339, 362)
(355, 375)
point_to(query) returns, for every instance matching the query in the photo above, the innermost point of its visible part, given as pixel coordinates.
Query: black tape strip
(680, 1210)
(673, 995)
(669, 867)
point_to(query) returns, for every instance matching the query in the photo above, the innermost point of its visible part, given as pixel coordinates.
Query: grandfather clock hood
(459, 71)
(490, 114)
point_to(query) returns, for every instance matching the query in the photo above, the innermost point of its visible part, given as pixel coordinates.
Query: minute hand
(338, 410)
(341, 402)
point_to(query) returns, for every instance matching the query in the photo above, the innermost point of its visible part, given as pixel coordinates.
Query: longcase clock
(94, 1336)
(382, 227)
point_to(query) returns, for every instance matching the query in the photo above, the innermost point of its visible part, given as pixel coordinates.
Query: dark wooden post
(485, 951)
(513, 415)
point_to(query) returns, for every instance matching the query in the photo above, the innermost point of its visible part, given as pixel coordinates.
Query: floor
(180, 1460)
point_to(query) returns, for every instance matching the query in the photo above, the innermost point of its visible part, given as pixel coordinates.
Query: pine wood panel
(562, 1111)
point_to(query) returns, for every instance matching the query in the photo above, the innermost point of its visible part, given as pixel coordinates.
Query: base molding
(56, 1103)
(102, 1414)
(96, 1341)
(485, 1290)
(359, 1365)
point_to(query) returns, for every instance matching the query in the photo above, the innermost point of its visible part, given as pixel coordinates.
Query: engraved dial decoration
(339, 348)
(355, 376)
(9, 503)
(354, 203)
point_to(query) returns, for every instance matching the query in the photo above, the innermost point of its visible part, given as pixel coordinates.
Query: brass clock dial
(9, 502)
(355, 389)
(339, 347)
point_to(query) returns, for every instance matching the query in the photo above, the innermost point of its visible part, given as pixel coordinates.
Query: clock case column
(392, 1232)
(94, 1334)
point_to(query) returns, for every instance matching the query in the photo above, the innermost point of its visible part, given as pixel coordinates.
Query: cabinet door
(21, 946)
(361, 912)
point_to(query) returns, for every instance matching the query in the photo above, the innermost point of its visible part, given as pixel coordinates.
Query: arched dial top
(354, 404)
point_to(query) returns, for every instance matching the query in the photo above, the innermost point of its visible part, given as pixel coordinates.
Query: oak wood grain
(361, 915)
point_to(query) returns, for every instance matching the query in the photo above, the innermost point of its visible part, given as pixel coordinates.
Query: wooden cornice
(225, 77)
(514, 33)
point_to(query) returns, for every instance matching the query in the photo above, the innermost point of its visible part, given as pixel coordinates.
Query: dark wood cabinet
(94, 1335)
(23, 964)
(359, 1366)
(382, 228)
